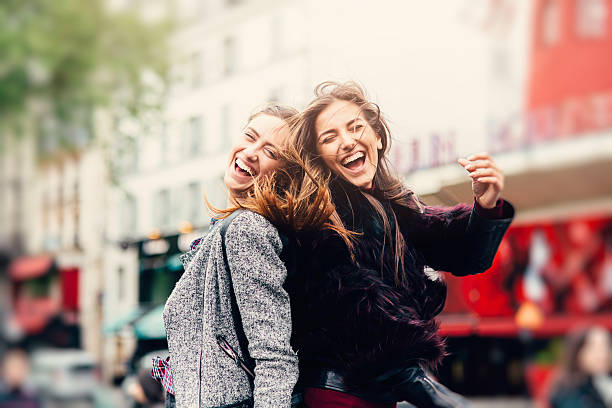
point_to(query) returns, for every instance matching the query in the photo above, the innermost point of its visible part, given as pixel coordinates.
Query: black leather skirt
(409, 384)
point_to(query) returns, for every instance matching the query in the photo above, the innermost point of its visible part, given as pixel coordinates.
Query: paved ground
(492, 403)
(114, 398)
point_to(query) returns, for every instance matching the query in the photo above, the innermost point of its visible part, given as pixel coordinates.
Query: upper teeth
(354, 156)
(243, 166)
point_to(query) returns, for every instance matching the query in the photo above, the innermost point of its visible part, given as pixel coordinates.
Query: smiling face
(256, 153)
(347, 143)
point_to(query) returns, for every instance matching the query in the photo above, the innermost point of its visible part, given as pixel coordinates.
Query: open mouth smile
(354, 162)
(242, 169)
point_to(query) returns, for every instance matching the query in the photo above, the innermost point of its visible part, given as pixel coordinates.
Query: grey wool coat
(199, 309)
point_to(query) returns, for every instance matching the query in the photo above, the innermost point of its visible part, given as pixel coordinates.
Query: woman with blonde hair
(228, 320)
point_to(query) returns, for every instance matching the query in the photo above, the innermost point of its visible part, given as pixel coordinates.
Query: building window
(129, 216)
(180, 209)
(120, 284)
(275, 94)
(194, 136)
(196, 70)
(176, 78)
(276, 38)
(229, 55)
(500, 64)
(591, 18)
(163, 145)
(128, 151)
(226, 127)
(60, 201)
(46, 210)
(162, 206)
(216, 192)
(196, 201)
(551, 22)
(77, 213)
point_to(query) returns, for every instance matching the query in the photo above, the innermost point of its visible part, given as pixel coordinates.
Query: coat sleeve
(457, 239)
(253, 251)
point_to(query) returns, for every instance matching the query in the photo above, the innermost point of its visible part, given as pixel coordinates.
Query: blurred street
(113, 398)
(117, 116)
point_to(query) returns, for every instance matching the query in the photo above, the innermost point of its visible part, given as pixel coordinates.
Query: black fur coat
(351, 316)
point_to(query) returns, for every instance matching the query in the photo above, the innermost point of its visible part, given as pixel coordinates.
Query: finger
(479, 156)
(485, 172)
(463, 162)
(494, 181)
(478, 164)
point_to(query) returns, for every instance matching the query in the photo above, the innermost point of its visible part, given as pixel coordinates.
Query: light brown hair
(290, 198)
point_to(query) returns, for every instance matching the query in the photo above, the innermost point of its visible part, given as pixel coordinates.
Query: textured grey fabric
(199, 308)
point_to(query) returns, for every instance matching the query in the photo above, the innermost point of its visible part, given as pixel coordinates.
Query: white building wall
(268, 62)
(261, 70)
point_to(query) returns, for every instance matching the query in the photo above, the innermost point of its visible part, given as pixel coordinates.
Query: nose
(250, 152)
(347, 141)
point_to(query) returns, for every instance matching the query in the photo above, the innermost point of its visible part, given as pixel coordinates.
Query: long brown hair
(291, 198)
(572, 373)
(304, 141)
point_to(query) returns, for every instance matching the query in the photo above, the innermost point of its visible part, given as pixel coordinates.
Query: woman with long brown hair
(584, 377)
(363, 303)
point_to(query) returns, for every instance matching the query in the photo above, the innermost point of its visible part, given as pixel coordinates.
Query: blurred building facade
(231, 57)
(52, 211)
(551, 133)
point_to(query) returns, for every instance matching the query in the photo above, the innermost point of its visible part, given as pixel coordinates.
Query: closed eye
(327, 139)
(249, 136)
(271, 153)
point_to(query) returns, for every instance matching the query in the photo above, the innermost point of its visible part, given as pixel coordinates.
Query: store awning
(151, 324)
(567, 173)
(557, 325)
(174, 263)
(33, 315)
(30, 267)
(124, 319)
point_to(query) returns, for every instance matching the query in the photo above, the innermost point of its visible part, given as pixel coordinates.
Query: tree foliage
(75, 55)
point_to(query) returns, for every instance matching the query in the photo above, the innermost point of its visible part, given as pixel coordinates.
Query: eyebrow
(258, 136)
(253, 130)
(352, 122)
(326, 132)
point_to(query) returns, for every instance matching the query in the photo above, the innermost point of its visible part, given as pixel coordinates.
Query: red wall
(574, 66)
(574, 270)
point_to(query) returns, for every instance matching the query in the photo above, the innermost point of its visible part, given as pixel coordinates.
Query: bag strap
(243, 342)
(247, 366)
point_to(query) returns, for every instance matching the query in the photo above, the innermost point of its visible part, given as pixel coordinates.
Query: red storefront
(553, 271)
(45, 300)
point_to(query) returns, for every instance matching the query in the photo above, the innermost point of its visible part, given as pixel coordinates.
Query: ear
(379, 145)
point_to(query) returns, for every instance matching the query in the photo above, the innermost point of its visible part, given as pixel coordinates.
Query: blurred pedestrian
(146, 391)
(584, 378)
(14, 371)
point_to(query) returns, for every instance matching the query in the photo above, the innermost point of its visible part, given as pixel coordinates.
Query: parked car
(65, 374)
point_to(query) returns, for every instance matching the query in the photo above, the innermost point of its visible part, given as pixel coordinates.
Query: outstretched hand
(487, 178)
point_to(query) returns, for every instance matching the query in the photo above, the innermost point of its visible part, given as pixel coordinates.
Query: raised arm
(460, 239)
(258, 274)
